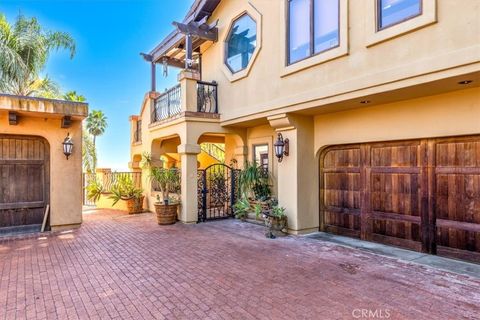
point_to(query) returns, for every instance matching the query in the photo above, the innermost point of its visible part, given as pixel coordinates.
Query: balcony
(191, 97)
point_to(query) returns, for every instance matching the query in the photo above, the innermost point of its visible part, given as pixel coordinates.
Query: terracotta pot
(166, 213)
(275, 226)
(135, 205)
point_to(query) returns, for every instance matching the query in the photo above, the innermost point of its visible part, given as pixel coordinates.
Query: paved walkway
(127, 267)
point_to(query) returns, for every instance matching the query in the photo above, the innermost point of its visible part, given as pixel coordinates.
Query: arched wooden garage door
(24, 180)
(421, 194)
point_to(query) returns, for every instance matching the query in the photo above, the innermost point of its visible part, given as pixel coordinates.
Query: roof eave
(198, 10)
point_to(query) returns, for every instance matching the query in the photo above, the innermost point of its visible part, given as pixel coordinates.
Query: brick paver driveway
(127, 267)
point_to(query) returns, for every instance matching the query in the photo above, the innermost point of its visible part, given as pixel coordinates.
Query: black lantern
(281, 147)
(67, 146)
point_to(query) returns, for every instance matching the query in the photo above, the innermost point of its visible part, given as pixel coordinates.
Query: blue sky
(107, 68)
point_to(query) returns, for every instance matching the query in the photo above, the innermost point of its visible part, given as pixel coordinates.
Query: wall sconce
(281, 147)
(67, 146)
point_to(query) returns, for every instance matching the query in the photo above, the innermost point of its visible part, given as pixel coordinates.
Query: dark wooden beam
(175, 62)
(12, 118)
(154, 77)
(66, 121)
(147, 57)
(188, 52)
(198, 29)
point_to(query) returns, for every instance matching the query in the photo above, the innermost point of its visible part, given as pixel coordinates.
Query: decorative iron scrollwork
(216, 192)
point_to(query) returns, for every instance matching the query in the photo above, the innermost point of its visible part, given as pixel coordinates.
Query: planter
(275, 226)
(166, 213)
(135, 205)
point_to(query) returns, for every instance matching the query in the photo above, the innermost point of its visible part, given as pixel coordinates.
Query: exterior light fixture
(281, 147)
(465, 82)
(67, 146)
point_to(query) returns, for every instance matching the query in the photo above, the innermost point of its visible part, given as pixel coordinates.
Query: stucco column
(188, 83)
(297, 174)
(188, 157)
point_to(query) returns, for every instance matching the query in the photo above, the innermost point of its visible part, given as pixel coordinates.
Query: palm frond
(61, 40)
(44, 87)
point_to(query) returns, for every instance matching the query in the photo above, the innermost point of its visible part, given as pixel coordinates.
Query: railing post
(168, 104)
(188, 83)
(215, 87)
(232, 189)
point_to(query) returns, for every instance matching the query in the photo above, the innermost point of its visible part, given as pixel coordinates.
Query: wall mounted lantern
(281, 147)
(67, 146)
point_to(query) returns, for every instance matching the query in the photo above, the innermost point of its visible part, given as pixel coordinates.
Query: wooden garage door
(24, 180)
(422, 194)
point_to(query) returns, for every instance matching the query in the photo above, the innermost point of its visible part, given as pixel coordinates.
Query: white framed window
(388, 19)
(392, 12)
(314, 32)
(313, 27)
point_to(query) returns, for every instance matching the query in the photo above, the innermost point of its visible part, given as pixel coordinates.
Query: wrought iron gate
(217, 192)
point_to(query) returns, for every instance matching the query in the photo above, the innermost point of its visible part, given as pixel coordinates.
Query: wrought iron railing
(137, 134)
(207, 97)
(86, 180)
(110, 178)
(214, 150)
(167, 105)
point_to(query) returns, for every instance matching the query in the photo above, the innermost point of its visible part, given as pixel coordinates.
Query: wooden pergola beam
(198, 29)
(12, 118)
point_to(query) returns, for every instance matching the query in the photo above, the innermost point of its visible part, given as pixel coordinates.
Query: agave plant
(241, 208)
(94, 189)
(124, 189)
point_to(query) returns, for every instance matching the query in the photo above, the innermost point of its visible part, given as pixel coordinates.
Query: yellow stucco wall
(449, 46)
(456, 113)
(451, 114)
(66, 175)
(408, 74)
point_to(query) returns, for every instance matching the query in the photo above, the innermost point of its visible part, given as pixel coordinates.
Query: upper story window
(313, 27)
(241, 43)
(137, 135)
(391, 12)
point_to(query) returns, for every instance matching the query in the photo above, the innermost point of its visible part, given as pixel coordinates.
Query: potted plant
(124, 189)
(241, 209)
(254, 183)
(275, 221)
(167, 180)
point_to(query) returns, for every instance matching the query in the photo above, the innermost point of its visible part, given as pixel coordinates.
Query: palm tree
(89, 153)
(25, 48)
(96, 124)
(73, 96)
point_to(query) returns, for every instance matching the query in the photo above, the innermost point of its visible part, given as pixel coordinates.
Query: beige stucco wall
(456, 113)
(409, 76)
(451, 45)
(65, 175)
(452, 114)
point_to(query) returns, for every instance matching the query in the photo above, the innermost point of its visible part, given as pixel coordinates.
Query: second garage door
(420, 194)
